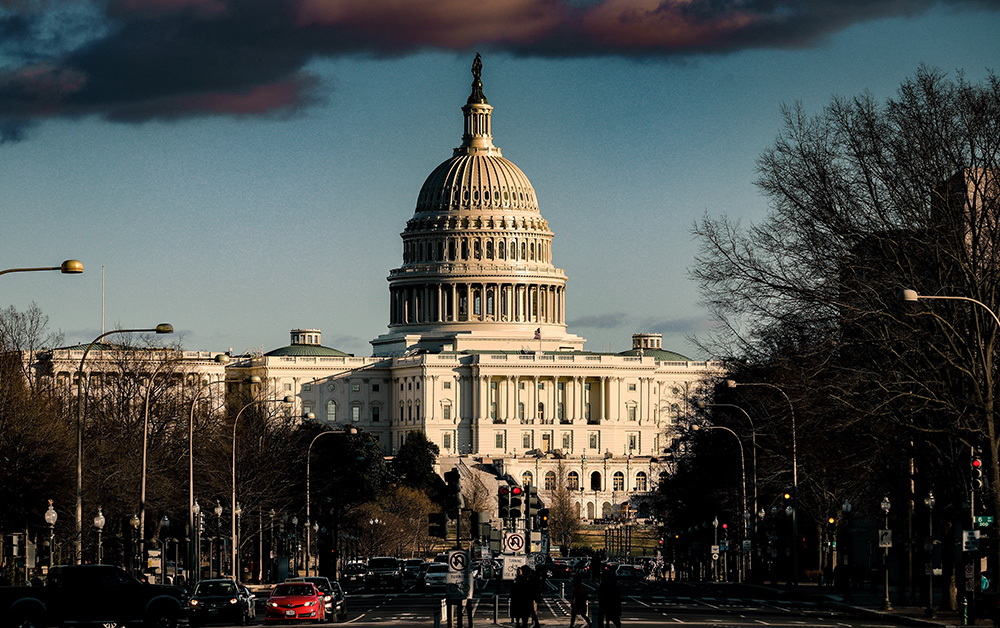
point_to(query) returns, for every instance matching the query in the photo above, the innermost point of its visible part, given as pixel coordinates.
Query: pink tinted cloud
(271, 97)
(149, 8)
(659, 25)
(450, 24)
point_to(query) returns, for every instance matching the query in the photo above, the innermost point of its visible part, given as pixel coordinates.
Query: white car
(436, 575)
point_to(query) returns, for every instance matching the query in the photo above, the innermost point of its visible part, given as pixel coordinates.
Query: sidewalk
(873, 602)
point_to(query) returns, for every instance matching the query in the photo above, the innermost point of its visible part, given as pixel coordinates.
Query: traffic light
(495, 541)
(438, 525)
(533, 503)
(453, 502)
(543, 518)
(977, 472)
(514, 511)
(503, 502)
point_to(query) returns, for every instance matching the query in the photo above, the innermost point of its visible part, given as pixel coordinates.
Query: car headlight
(273, 604)
(233, 600)
(312, 603)
(327, 598)
(193, 602)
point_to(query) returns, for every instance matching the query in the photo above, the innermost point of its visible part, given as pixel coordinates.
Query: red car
(291, 601)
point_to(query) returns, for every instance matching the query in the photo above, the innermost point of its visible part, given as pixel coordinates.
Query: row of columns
(441, 303)
(477, 248)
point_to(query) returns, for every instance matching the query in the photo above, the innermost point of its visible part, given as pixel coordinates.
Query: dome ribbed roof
(476, 182)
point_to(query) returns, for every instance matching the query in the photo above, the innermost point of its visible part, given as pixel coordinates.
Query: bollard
(562, 590)
(471, 611)
(965, 611)
(496, 608)
(437, 617)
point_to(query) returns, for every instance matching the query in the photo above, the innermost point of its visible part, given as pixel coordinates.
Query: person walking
(609, 600)
(578, 601)
(520, 599)
(535, 594)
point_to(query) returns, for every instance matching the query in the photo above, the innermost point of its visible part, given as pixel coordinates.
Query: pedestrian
(535, 595)
(520, 599)
(609, 600)
(578, 601)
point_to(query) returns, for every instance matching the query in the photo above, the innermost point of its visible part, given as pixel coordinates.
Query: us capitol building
(478, 356)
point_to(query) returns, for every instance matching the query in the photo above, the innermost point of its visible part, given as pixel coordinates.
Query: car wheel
(27, 620)
(160, 618)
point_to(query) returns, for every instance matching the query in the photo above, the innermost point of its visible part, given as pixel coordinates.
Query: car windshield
(215, 588)
(293, 589)
(438, 568)
(383, 563)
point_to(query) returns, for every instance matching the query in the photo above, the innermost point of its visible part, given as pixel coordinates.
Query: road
(644, 604)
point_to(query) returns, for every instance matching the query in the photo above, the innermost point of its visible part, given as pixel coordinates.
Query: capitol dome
(477, 267)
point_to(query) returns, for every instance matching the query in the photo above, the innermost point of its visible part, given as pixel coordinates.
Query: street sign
(514, 542)
(885, 538)
(511, 564)
(715, 556)
(458, 565)
(984, 520)
(746, 546)
(970, 540)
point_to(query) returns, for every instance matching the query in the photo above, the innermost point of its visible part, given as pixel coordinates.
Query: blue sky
(266, 189)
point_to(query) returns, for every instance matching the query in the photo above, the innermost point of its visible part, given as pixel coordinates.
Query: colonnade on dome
(479, 301)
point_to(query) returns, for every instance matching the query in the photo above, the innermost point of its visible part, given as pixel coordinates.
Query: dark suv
(384, 571)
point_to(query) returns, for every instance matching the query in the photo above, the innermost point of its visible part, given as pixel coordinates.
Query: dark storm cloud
(136, 60)
(601, 321)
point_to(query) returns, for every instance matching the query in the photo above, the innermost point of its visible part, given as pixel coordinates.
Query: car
(334, 604)
(291, 601)
(631, 572)
(218, 600)
(411, 568)
(436, 575)
(384, 571)
(354, 573)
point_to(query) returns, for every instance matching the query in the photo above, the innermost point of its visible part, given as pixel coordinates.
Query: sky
(240, 168)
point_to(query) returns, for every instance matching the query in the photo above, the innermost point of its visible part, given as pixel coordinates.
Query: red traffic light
(515, 490)
(503, 491)
(976, 463)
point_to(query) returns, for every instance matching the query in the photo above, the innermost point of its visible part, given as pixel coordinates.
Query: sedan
(436, 575)
(631, 572)
(294, 601)
(219, 601)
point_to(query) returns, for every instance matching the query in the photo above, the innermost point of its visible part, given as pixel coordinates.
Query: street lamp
(221, 358)
(69, 267)
(715, 545)
(162, 328)
(287, 400)
(50, 518)
(743, 469)
(753, 440)
(134, 522)
(795, 475)
(218, 528)
(350, 429)
(929, 501)
(885, 508)
(164, 525)
(99, 524)
(193, 552)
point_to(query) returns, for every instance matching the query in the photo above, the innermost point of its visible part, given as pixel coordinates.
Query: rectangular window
(595, 440)
(355, 387)
(560, 386)
(375, 388)
(633, 441)
(356, 413)
(567, 441)
(631, 387)
(493, 385)
(631, 413)
(447, 385)
(586, 386)
(526, 440)
(446, 413)
(288, 386)
(376, 413)
(541, 385)
(520, 385)
(446, 440)
(306, 387)
(498, 440)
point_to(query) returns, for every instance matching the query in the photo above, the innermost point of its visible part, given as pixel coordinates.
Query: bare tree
(564, 519)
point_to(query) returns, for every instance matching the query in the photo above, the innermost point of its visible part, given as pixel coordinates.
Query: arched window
(501, 250)
(520, 411)
(595, 481)
(489, 249)
(618, 481)
(526, 478)
(541, 412)
(331, 411)
(573, 481)
(550, 480)
(640, 481)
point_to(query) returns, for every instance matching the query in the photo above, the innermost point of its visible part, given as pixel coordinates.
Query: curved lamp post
(743, 469)
(885, 505)
(221, 358)
(193, 510)
(929, 501)
(795, 474)
(69, 267)
(234, 554)
(162, 328)
(346, 430)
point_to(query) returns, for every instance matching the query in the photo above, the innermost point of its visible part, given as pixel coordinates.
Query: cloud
(601, 321)
(138, 60)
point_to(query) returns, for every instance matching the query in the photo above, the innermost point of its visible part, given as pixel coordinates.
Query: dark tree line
(893, 398)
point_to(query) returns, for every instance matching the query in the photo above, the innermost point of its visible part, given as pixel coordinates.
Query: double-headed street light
(99, 524)
(50, 518)
(886, 505)
(235, 554)
(162, 328)
(69, 267)
(743, 470)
